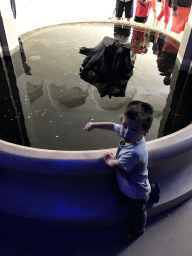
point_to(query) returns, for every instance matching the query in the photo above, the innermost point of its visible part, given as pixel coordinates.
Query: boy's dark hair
(142, 111)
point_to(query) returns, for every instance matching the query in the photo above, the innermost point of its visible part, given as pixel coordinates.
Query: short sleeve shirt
(133, 157)
(143, 10)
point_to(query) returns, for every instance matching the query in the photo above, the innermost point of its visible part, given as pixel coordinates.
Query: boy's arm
(111, 161)
(100, 125)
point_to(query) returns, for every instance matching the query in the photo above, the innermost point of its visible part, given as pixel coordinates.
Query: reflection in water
(60, 101)
(72, 97)
(122, 33)
(23, 57)
(166, 59)
(138, 43)
(34, 90)
(12, 127)
(108, 67)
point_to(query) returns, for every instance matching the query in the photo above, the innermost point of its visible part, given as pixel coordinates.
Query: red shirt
(143, 10)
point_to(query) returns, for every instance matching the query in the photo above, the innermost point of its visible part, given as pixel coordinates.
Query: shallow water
(59, 103)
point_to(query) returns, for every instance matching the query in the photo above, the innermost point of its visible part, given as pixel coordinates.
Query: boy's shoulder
(137, 149)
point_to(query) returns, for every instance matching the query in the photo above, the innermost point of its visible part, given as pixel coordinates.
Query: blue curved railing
(77, 190)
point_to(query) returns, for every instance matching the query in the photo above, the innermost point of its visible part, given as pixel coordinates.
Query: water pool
(60, 103)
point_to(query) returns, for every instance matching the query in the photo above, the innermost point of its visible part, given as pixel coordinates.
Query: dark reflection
(166, 59)
(158, 40)
(34, 91)
(122, 33)
(26, 67)
(108, 67)
(12, 127)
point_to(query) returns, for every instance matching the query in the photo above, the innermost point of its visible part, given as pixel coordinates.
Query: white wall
(32, 14)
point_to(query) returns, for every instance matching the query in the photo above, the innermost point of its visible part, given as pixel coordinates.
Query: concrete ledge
(175, 36)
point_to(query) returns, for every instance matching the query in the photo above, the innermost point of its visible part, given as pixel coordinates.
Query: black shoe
(132, 236)
(155, 188)
(154, 195)
(154, 198)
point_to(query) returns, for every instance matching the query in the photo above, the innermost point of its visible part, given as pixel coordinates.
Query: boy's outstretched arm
(100, 125)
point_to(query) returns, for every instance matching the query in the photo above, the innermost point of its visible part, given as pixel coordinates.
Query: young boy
(131, 160)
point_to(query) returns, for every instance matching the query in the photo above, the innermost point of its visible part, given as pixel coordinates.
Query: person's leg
(129, 10)
(160, 16)
(138, 216)
(155, 17)
(154, 8)
(167, 14)
(119, 9)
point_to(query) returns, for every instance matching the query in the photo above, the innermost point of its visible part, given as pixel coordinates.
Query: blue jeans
(138, 214)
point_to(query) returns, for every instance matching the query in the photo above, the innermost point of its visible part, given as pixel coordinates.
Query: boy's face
(131, 130)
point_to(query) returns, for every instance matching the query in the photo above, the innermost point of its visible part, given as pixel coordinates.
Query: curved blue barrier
(65, 190)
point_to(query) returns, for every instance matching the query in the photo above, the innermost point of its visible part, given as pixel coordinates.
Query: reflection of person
(138, 43)
(128, 5)
(166, 60)
(142, 10)
(165, 11)
(23, 57)
(26, 67)
(122, 33)
(131, 160)
(181, 11)
(108, 66)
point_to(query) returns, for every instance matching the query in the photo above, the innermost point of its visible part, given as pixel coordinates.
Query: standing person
(26, 67)
(181, 11)
(154, 8)
(13, 7)
(165, 11)
(131, 160)
(142, 10)
(128, 5)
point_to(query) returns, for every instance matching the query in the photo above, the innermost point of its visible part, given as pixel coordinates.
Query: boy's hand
(111, 161)
(107, 156)
(88, 127)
